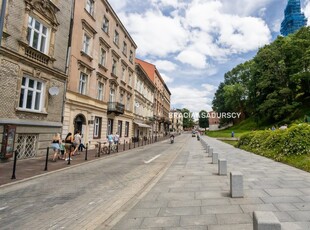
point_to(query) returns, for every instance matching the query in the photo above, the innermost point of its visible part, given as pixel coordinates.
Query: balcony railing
(116, 107)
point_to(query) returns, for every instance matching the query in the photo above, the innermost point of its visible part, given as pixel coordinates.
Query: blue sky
(193, 43)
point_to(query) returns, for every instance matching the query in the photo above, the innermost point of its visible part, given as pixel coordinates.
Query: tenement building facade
(162, 96)
(143, 105)
(100, 90)
(33, 54)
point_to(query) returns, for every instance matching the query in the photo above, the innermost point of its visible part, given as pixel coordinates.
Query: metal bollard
(99, 149)
(129, 144)
(46, 159)
(86, 151)
(134, 144)
(124, 145)
(14, 164)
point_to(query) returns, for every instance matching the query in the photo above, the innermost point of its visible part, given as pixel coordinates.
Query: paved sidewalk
(190, 195)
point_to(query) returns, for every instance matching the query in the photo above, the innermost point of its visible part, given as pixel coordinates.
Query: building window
(116, 38)
(31, 95)
(120, 128)
(125, 48)
(131, 56)
(112, 95)
(37, 35)
(123, 73)
(105, 24)
(86, 44)
(114, 66)
(110, 126)
(97, 127)
(90, 6)
(103, 55)
(130, 79)
(127, 129)
(128, 103)
(83, 83)
(100, 91)
(121, 98)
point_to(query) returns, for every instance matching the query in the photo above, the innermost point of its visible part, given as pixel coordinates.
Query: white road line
(2, 208)
(149, 161)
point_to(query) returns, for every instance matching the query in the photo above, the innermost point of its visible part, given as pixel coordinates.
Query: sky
(193, 43)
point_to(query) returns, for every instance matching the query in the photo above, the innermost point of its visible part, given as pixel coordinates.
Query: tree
(203, 120)
(188, 121)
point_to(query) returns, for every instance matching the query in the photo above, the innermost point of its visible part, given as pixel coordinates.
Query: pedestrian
(69, 146)
(110, 138)
(76, 141)
(116, 138)
(81, 145)
(56, 142)
(62, 150)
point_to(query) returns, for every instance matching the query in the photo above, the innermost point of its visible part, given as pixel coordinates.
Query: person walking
(56, 142)
(116, 139)
(69, 146)
(77, 141)
(81, 145)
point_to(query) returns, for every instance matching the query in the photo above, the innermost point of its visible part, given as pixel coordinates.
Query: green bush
(276, 144)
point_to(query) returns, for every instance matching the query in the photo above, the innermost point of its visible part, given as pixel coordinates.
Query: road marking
(149, 161)
(2, 208)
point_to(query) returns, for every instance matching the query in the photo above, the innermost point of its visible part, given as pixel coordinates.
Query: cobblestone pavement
(191, 194)
(85, 196)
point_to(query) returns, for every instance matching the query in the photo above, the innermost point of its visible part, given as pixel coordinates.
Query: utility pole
(3, 7)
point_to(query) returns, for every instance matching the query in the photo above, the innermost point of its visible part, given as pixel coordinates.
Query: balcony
(116, 108)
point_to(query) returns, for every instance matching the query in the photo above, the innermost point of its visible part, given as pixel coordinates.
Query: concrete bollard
(222, 167)
(215, 158)
(236, 184)
(265, 221)
(210, 153)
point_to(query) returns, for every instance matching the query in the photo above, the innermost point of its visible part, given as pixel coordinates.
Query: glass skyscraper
(294, 19)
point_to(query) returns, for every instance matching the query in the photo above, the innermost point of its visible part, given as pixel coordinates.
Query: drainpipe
(3, 8)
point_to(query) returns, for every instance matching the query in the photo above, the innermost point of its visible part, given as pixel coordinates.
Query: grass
(302, 162)
(233, 143)
(298, 161)
(239, 129)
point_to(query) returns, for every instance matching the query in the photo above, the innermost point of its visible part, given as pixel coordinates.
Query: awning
(142, 125)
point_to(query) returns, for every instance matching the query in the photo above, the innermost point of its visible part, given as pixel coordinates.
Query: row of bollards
(261, 219)
(46, 160)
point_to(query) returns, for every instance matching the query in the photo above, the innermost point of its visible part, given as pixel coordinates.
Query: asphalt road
(89, 195)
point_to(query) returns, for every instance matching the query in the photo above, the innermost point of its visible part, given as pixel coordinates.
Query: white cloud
(196, 59)
(166, 78)
(155, 33)
(164, 65)
(245, 8)
(192, 98)
(307, 11)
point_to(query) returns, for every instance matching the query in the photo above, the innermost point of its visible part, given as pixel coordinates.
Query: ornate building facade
(143, 104)
(161, 99)
(99, 98)
(32, 73)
